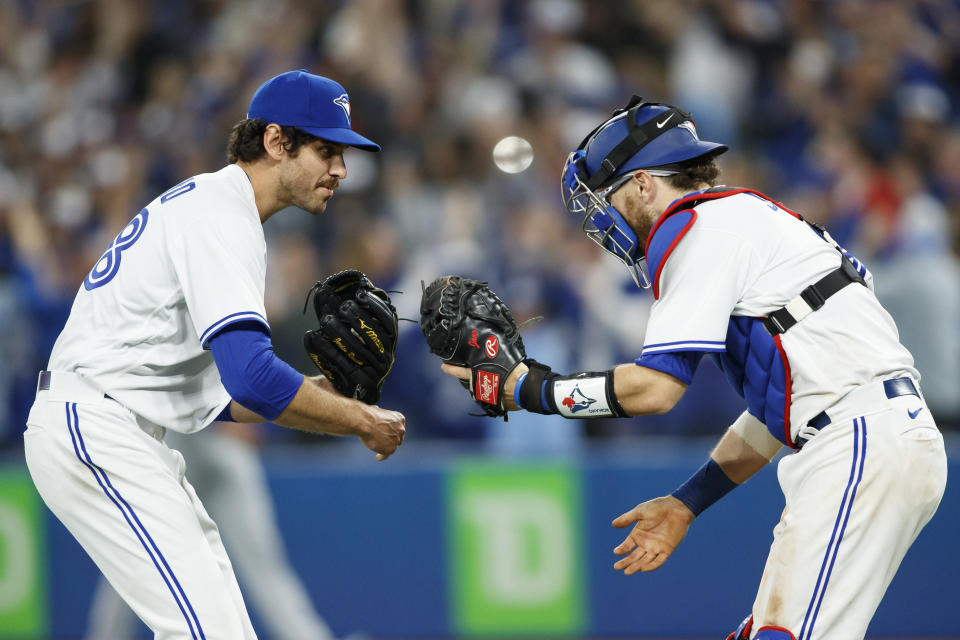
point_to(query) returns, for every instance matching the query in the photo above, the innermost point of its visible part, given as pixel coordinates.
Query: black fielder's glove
(467, 325)
(356, 339)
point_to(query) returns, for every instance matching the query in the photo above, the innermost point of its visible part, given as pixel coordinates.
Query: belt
(892, 388)
(65, 386)
(70, 387)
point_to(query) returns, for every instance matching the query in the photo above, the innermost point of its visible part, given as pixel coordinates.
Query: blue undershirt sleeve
(251, 372)
(225, 415)
(680, 364)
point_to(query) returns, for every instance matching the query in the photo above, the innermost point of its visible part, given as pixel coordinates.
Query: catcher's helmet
(643, 135)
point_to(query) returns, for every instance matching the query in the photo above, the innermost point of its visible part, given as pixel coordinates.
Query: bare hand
(661, 524)
(457, 372)
(464, 374)
(386, 433)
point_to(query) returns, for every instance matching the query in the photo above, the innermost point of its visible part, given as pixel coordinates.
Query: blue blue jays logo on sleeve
(577, 401)
(344, 103)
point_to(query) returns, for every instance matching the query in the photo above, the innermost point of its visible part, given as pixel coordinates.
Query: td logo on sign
(515, 550)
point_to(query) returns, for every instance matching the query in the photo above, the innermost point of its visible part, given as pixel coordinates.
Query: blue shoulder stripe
(664, 239)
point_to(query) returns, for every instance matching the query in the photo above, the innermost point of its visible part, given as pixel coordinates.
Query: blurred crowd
(845, 110)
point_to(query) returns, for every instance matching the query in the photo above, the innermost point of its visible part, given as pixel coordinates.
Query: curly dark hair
(246, 140)
(694, 174)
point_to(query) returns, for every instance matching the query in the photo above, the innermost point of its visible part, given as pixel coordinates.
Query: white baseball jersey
(190, 263)
(746, 257)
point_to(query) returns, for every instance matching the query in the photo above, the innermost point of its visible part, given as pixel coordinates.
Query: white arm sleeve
(756, 434)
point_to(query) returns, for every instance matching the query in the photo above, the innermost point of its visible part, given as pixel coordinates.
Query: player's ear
(645, 184)
(274, 141)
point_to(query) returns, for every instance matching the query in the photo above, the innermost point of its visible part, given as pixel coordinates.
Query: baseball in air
(513, 154)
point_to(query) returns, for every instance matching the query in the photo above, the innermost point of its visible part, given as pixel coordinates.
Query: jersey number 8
(109, 263)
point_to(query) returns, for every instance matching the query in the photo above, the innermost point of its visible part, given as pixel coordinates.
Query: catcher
(791, 319)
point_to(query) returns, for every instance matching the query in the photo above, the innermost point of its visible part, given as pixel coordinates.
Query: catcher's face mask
(610, 154)
(602, 222)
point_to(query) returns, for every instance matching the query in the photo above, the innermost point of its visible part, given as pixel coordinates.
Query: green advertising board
(515, 552)
(23, 593)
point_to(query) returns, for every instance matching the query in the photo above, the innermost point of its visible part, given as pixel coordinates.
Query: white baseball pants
(228, 474)
(857, 494)
(110, 479)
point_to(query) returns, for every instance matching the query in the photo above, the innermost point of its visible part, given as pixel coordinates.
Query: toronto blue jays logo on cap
(689, 126)
(316, 105)
(344, 102)
(577, 401)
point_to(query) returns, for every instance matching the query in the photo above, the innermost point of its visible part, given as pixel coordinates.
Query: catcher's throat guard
(643, 135)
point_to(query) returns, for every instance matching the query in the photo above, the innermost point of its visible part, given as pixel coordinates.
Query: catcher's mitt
(467, 325)
(357, 335)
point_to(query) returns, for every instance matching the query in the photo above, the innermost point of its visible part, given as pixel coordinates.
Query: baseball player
(168, 331)
(792, 320)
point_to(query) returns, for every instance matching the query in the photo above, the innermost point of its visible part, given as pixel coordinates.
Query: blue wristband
(544, 403)
(705, 487)
(516, 389)
(531, 390)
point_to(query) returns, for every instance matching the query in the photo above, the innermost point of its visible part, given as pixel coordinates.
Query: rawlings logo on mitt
(357, 335)
(467, 325)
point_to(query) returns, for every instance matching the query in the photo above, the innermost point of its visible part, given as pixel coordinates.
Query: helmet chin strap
(638, 136)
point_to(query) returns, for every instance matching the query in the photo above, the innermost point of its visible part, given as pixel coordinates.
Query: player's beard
(640, 218)
(643, 227)
(315, 202)
(303, 191)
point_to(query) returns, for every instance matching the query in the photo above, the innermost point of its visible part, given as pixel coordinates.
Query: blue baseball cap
(317, 105)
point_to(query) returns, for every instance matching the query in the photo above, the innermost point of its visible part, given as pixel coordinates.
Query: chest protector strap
(809, 300)
(812, 298)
